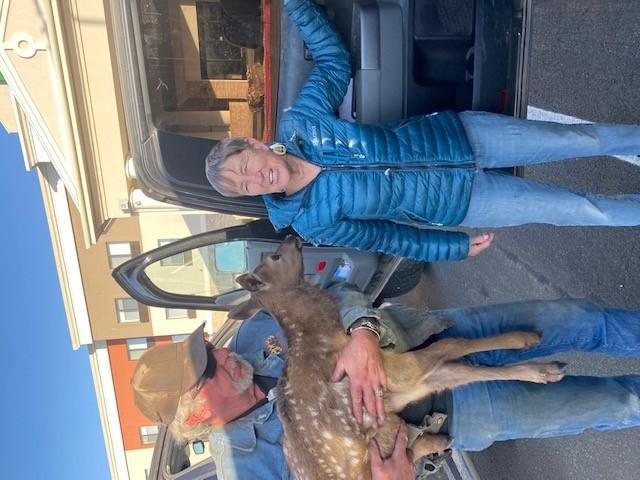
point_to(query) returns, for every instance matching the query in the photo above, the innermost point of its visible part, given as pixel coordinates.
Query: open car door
(199, 272)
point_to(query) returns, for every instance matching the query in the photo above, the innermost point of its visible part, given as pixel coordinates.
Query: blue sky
(52, 428)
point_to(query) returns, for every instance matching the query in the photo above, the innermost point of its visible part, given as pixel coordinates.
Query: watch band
(369, 323)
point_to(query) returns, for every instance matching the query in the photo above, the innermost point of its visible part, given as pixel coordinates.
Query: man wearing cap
(228, 397)
(227, 394)
(200, 391)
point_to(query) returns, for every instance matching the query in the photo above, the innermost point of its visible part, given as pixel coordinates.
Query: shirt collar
(240, 434)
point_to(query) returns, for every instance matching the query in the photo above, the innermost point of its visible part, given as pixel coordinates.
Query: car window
(203, 63)
(231, 257)
(210, 270)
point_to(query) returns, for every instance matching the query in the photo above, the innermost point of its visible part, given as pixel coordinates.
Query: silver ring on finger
(379, 392)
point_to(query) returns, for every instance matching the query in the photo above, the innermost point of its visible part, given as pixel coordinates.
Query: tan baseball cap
(165, 372)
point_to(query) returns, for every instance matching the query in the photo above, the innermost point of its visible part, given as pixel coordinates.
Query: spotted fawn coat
(322, 439)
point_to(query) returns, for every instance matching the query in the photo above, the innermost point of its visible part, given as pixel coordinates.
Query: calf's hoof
(550, 372)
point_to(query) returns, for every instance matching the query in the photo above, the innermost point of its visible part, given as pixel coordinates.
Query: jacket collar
(282, 210)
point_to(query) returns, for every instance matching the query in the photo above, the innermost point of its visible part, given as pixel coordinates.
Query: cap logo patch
(273, 345)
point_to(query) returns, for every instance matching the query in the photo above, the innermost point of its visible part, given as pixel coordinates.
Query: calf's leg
(450, 375)
(407, 369)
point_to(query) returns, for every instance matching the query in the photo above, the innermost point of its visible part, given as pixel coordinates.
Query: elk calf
(321, 437)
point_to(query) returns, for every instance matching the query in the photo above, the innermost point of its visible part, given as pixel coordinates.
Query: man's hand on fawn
(399, 466)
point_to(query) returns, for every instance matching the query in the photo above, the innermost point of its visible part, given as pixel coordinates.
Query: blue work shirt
(251, 447)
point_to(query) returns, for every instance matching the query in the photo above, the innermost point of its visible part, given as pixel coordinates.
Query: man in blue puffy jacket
(385, 187)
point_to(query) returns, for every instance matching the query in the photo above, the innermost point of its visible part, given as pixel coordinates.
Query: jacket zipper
(387, 168)
(394, 167)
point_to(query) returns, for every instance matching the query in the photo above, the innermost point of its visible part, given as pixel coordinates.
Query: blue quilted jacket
(381, 186)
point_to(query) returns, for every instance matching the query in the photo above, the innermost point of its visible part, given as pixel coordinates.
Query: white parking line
(535, 113)
(464, 464)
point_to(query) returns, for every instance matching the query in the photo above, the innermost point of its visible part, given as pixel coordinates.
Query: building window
(137, 346)
(148, 434)
(118, 252)
(172, 313)
(182, 258)
(128, 310)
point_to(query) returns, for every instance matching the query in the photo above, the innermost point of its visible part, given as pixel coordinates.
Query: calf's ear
(244, 310)
(251, 282)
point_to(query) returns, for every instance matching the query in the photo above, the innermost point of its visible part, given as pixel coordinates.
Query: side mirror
(198, 447)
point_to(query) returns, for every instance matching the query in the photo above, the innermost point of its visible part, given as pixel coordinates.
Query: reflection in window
(203, 65)
(128, 310)
(137, 346)
(148, 434)
(218, 57)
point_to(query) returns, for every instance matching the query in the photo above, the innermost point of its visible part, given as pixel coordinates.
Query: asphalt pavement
(585, 63)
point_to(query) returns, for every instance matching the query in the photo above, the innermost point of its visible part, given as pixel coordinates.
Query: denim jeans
(499, 200)
(486, 412)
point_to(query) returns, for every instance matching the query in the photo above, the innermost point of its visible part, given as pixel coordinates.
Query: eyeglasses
(198, 386)
(209, 372)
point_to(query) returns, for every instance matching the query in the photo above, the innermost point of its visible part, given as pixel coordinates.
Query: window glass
(118, 253)
(179, 338)
(230, 257)
(178, 259)
(203, 66)
(136, 347)
(198, 447)
(201, 276)
(148, 434)
(128, 310)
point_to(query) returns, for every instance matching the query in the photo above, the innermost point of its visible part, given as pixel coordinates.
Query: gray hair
(181, 431)
(216, 157)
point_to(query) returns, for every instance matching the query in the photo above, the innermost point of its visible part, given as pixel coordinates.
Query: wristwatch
(370, 323)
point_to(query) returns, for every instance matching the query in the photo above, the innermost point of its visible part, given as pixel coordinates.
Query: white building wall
(138, 462)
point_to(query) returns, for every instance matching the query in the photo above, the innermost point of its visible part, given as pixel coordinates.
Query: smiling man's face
(229, 393)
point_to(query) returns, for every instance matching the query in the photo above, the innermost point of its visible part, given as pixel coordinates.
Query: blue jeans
(486, 412)
(499, 200)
